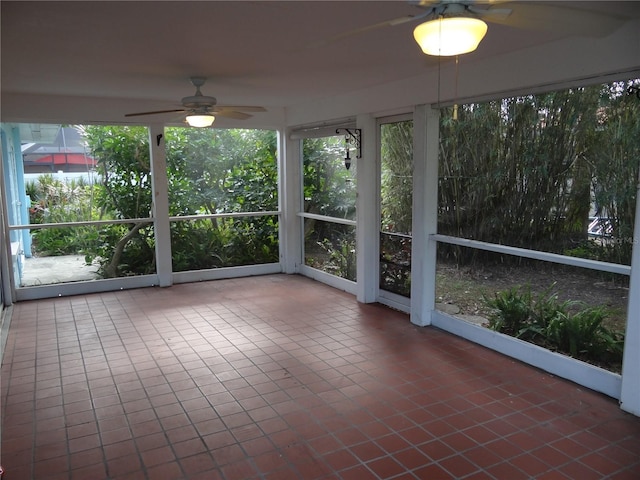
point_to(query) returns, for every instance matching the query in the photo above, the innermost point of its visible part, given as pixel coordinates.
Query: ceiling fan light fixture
(448, 36)
(200, 120)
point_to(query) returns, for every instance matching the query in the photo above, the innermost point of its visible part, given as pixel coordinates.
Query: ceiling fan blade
(232, 114)
(241, 108)
(154, 113)
(558, 18)
(358, 31)
(490, 13)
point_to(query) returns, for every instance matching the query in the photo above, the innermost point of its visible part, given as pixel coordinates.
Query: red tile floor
(280, 377)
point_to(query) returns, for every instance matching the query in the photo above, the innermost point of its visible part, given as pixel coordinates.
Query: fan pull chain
(439, 67)
(455, 93)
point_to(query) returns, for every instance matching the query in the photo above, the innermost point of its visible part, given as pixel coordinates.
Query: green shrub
(582, 334)
(568, 327)
(58, 201)
(341, 259)
(512, 311)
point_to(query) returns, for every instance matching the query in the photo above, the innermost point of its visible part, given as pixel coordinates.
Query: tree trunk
(111, 270)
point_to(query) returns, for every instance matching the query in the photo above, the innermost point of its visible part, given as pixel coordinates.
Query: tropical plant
(396, 206)
(208, 172)
(225, 171)
(521, 171)
(512, 311)
(515, 187)
(396, 178)
(564, 326)
(342, 257)
(582, 334)
(123, 162)
(61, 201)
(616, 168)
(329, 189)
(395, 263)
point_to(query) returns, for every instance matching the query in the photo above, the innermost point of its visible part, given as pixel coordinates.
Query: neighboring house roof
(64, 158)
(66, 151)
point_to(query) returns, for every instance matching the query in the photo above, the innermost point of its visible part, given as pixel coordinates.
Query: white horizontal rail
(325, 218)
(400, 235)
(37, 226)
(89, 223)
(535, 255)
(224, 215)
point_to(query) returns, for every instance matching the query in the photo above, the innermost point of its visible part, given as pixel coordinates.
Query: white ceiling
(111, 58)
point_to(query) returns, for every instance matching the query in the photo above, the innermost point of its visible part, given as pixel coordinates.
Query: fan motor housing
(196, 101)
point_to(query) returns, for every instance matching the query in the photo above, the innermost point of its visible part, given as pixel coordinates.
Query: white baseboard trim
(227, 272)
(563, 366)
(5, 323)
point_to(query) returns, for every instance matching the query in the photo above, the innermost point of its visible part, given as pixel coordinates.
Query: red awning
(67, 159)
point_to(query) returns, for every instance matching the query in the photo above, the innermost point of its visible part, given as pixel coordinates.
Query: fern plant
(565, 326)
(582, 334)
(511, 311)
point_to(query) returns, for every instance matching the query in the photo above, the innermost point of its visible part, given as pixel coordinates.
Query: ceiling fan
(201, 109)
(454, 27)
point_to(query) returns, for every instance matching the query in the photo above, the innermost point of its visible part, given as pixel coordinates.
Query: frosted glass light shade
(200, 120)
(449, 36)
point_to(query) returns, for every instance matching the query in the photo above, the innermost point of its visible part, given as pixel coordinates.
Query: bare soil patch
(466, 287)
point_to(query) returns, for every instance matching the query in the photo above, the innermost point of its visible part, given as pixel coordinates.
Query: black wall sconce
(352, 136)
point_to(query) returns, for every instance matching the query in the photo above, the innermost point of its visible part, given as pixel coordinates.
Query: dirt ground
(464, 287)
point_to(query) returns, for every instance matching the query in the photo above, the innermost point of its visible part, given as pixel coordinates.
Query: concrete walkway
(60, 269)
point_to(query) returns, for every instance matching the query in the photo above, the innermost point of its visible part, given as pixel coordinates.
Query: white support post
(368, 222)
(425, 213)
(290, 199)
(630, 390)
(160, 190)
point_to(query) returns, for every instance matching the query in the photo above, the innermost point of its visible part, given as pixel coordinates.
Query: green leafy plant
(62, 201)
(342, 257)
(564, 326)
(208, 172)
(582, 334)
(395, 263)
(513, 311)
(542, 163)
(337, 257)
